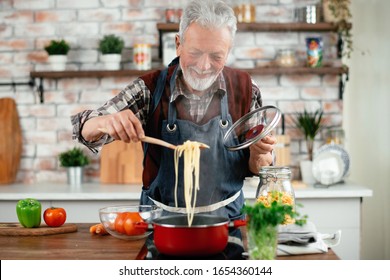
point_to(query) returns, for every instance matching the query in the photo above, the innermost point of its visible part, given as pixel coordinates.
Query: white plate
(330, 164)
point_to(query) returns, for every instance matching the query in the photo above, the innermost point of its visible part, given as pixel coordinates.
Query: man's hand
(261, 153)
(124, 126)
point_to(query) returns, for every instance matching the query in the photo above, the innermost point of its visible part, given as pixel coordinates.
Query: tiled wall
(26, 26)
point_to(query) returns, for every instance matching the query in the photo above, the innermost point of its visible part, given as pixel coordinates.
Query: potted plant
(57, 51)
(338, 12)
(74, 160)
(310, 124)
(111, 47)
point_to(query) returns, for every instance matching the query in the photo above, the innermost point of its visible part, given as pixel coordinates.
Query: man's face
(203, 55)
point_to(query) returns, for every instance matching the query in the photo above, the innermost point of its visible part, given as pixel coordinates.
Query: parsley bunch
(262, 222)
(260, 216)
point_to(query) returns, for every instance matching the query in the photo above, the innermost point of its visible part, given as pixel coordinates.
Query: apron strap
(158, 91)
(200, 209)
(156, 99)
(172, 115)
(224, 108)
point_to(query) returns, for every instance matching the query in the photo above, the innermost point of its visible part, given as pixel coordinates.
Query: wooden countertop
(81, 245)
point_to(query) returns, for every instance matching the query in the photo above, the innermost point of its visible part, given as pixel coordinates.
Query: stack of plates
(330, 164)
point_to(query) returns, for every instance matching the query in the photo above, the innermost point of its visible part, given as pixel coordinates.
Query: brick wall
(26, 26)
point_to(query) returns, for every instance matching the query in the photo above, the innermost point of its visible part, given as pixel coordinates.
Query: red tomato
(54, 217)
(125, 223)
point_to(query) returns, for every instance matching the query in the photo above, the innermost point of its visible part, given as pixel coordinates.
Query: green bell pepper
(29, 212)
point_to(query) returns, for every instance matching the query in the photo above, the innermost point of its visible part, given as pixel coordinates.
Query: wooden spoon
(156, 141)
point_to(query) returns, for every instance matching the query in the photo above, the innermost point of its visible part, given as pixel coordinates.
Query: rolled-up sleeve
(256, 97)
(135, 96)
(78, 121)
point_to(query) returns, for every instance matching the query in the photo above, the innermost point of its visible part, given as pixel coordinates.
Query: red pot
(208, 234)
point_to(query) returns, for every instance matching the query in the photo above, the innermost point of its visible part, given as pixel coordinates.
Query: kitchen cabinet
(331, 209)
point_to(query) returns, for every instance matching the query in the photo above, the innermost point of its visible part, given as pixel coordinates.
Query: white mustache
(200, 72)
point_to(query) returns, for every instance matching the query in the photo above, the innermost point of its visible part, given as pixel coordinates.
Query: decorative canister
(275, 185)
(308, 14)
(142, 56)
(314, 47)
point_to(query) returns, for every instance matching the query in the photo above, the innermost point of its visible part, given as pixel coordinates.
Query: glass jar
(335, 136)
(275, 184)
(245, 11)
(286, 58)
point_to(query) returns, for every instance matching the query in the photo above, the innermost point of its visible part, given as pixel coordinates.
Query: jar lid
(275, 171)
(286, 51)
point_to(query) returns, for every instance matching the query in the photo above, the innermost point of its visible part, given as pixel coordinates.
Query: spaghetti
(191, 151)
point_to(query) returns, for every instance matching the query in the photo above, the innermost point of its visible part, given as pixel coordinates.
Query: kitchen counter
(97, 191)
(333, 208)
(82, 245)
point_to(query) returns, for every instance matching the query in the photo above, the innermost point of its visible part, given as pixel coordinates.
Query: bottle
(275, 184)
(245, 11)
(248, 10)
(170, 12)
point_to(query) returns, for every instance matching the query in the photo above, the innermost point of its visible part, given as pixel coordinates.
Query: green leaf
(260, 216)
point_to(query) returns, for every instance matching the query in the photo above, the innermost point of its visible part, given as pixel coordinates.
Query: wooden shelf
(298, 70)
(129, 73)
(282, 27)
(268, 27)
(135, 73)
(87, 74)
(262, 27)
(174, 27)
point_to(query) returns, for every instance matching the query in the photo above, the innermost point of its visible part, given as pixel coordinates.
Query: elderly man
(196, 98)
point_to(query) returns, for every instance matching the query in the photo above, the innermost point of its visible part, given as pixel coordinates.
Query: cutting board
(16, 229)
(121, 163)
(282, 150)
(11, 142)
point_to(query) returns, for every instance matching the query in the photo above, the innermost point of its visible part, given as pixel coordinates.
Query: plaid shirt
(137, 97)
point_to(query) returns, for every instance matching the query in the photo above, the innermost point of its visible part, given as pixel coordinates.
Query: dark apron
(221, 171)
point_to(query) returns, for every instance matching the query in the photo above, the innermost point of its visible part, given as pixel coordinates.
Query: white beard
(196, 83)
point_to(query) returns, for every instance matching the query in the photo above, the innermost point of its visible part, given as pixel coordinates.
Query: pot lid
(251, 128)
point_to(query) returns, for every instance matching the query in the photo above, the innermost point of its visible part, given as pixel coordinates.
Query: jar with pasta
(275, 185)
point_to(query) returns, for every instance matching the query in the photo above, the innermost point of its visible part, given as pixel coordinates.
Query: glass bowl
(108, 215)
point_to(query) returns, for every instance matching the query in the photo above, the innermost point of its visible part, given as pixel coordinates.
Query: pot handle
(237, 223)
(143, 225)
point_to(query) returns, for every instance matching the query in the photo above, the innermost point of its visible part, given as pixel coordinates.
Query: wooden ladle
(156, 141)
